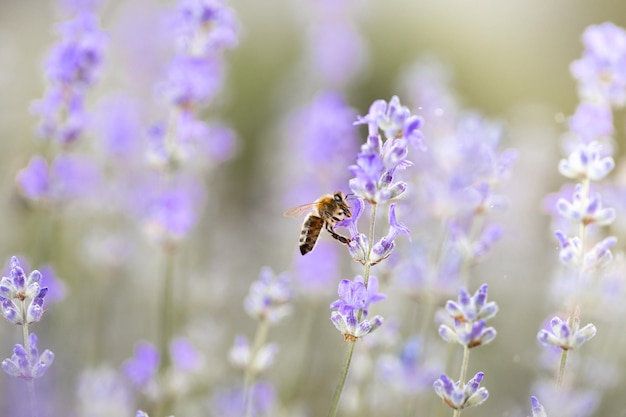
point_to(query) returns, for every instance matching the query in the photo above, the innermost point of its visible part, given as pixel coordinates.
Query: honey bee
(325, 212)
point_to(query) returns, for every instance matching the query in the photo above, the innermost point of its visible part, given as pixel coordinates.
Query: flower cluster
(22, 301)
(470, 314)
(458, 395)
(566, 336)
(269, 297)
(601, 71)
(377, 163)
(72, 68)
(353, 305)
(26, 362)
(359, 242)
(22, 297)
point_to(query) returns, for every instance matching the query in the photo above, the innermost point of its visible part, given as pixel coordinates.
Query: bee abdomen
(310, 232)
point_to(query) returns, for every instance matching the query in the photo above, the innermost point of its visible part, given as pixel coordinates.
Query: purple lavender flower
(358, 245)
(592, 121)
(566, 336)
(22, 297)
(269, 297)
(378, 161)
(26, 363)
(70, 177)
(354, 295)
(242, 356)
(587, 162)
(170, 214)
(103, 388)
(585, 210)
(459, 395)
(142, 368)
(470, 334)
(232, 402)
(205, 27)
(349, 326)
(601, 72)
(472, 308)
(191, 81)
(354, 299)
(407, 372)
(537, 408)
(185, 356)
(383, 248)
(72, 67)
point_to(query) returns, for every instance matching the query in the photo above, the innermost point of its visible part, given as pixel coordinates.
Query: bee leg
(336, 235)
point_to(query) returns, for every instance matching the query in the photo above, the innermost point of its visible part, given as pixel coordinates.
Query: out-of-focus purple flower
(76, 60)
(601, 71)
(571, 252)
(592, 121)
(242, 356)
(34, 180)
(185, 356)
(191, 81)
(569, 402)
(205, 27)
(269, 297)
(141, 369)
(70, 177)
(170, 215)
(322, 135)
(119, 126)
(103, 391)
(316, 272)
(458, 395)
(585, 210)
(26, 363)
(587, 162)
(407, 372)
(72, 66)
(537, 408)
(231, 402)
(337, 52)
(22, 297)
(56, 287)
(566, 336)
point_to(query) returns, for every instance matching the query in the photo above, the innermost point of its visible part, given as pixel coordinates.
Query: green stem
(260, 337)
(342, 379)
(31, 383)
(559, 380)
(464, 366)
(352, 342)
(167, 308)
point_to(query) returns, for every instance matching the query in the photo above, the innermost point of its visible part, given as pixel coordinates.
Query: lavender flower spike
(472, 308)
(538, 410)
(458, 395)
(269, 297)
(28, 364)
(566, 336)
(17, 290)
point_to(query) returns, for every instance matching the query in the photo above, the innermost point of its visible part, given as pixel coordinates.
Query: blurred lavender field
(150, 149)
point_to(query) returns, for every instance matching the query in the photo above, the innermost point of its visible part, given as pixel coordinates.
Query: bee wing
(300, 210)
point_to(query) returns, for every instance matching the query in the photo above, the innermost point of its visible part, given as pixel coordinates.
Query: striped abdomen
(311, 229)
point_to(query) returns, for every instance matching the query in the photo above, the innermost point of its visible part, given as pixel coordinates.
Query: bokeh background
(507, 60)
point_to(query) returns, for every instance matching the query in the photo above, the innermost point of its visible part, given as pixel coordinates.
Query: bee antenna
(350, 196)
